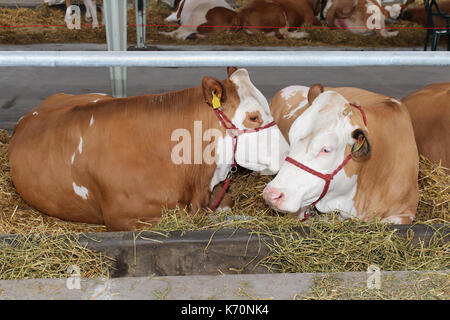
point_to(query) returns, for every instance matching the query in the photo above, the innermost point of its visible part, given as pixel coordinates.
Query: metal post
(140, 23)
(116, 37)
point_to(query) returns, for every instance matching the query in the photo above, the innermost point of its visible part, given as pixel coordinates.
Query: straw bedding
(414, 286)
(410, 34)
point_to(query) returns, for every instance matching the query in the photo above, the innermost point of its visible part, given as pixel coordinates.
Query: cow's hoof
(392, 33)
(299, 35)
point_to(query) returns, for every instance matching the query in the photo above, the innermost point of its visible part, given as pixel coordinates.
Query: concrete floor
(282, 286)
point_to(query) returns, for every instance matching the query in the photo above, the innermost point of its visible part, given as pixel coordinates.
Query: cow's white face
(394, 10)
(253, 106)
(263, 150)
(320, 139)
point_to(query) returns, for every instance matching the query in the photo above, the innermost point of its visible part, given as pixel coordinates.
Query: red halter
(235, 133)
(330, 176)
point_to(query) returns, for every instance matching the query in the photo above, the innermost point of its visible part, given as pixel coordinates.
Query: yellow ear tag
(215, 101)
(360, 146)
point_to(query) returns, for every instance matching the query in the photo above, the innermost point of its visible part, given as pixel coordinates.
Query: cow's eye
(325, 150)
(254, 118)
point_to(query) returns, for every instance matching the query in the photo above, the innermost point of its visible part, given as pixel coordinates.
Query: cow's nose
(273, 196)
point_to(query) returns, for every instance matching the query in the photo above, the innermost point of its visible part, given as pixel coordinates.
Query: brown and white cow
(429, 108)
(300, 12)
(112, 161)
(419, 15)
(277, 17)
(358, 16)
(366, 150)
(196, 17)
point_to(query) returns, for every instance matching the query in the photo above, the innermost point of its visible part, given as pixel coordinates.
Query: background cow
(277, 17)
(267, 16)
(193, 13)
(430, 114)
(380, 178)
(101, 160)
(358, 16)
(91, 10)
(418, 14)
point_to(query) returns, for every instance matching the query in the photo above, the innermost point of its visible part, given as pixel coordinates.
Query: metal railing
(221, 58)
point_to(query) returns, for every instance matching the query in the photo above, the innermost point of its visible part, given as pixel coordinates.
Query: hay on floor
(48, 255)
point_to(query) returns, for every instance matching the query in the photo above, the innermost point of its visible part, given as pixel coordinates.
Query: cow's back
(39, 155)
(102, 161)
(287, 105)
(430, 114)
(300, 12)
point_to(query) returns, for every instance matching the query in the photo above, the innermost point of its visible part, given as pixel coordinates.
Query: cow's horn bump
(346, 111)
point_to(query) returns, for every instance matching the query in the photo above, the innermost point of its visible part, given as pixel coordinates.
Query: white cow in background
(190, 14)
(91, 10)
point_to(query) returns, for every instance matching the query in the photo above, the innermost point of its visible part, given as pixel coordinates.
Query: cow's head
(321, 138)
(394, 10)
(176, 14)
(357, 16)
(247, 108)
(340, 11)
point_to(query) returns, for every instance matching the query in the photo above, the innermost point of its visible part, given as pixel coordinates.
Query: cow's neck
(342, 202)
(182, 109)
(197, 110)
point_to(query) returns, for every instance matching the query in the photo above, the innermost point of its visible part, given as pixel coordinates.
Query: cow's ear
(231, 70)
(361, 148)
(314, 91)
(213, 92)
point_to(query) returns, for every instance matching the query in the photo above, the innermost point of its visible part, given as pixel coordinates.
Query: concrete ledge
(258, 286)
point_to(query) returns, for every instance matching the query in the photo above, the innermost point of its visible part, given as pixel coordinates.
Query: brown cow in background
(419, 15)
(430, 114)
(285, 16)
